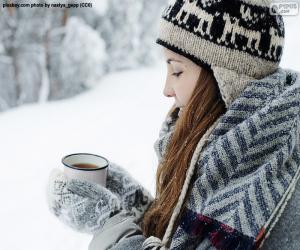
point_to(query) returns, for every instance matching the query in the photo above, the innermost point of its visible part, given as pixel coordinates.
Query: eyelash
(177, 74)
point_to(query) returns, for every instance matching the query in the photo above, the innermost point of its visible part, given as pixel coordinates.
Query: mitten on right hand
(82, 205)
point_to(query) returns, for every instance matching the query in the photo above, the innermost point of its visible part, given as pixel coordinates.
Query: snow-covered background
(119, 118)
(56, 53)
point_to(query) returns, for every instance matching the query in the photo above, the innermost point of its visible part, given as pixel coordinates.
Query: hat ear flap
(231, 83)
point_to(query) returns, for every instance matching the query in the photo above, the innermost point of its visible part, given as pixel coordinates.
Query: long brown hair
(203, 108)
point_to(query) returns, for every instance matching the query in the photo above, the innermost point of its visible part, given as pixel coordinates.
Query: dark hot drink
(85, 165)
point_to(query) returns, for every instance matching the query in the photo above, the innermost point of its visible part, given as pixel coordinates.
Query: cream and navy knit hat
(238, 40)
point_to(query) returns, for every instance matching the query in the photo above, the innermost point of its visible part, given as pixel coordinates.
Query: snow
(291, 52)
(119, 119)
(100, 6)
(1, 48)
(83, 53)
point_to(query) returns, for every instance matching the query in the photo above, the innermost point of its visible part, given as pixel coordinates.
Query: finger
(115, 171)
(118, 178)
(87, 189)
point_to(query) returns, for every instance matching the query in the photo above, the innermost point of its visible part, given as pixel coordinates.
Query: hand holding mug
(77, 196)
(97, 169)
(91, 190)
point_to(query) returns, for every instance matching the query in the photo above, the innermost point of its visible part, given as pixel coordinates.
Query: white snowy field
(119, 119)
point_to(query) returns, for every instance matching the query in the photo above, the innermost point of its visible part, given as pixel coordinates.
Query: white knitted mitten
(81, 205)
(134, 197)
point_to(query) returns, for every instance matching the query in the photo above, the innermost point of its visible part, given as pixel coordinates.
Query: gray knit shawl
(250, 164)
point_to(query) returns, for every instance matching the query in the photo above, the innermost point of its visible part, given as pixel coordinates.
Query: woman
(228, 150)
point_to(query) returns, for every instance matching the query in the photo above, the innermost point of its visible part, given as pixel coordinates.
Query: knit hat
(238, 40)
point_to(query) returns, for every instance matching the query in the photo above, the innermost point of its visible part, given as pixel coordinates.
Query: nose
(168, 90)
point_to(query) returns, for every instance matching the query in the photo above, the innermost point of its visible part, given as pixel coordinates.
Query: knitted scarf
(246, 172)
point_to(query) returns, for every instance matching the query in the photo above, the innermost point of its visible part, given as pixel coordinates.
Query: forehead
(173, 55)
(184, 61)
(170, 55)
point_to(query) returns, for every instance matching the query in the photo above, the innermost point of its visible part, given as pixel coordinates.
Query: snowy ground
(119, 119)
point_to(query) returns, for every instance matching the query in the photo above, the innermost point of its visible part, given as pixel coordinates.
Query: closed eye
(177, 74)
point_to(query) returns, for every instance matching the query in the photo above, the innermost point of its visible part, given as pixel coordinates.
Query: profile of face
(182, 76)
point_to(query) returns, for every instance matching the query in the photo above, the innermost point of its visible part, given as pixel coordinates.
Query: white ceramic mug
(85, 166)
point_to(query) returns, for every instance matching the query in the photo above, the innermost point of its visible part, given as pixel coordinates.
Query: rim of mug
(84, 169)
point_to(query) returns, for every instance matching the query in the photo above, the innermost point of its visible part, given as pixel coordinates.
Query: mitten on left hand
(133, 195)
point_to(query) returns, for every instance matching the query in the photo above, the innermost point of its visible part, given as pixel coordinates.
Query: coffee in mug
(85, 166)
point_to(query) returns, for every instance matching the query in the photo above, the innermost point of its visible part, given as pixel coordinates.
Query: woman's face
(182, 77)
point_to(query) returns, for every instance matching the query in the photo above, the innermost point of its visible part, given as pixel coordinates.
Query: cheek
(192, 80)
(189, 84)
(184, 90)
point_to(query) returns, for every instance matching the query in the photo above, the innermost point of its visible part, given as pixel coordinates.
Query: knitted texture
(238, 36)
(83, 206)
(86, 206)
(133, 195)
(248, 169)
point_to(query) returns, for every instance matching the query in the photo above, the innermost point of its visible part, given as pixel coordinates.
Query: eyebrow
(171, 59)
